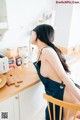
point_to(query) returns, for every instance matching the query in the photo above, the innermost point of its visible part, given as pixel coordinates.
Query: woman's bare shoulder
(48, 51)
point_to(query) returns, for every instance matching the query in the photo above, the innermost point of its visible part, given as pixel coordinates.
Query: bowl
(3, 80)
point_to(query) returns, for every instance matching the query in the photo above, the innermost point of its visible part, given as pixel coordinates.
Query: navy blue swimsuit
(52, 88)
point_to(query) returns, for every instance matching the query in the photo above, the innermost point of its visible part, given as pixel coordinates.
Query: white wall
(26, 12)
(62, 22)
(67, 22)
(22, 16)
(75, 26)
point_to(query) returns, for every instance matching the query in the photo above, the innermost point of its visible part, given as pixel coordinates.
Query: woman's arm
(52, 57)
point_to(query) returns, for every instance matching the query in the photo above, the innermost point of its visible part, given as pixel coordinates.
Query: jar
(11, 53)
(24, 53)
(18, 61)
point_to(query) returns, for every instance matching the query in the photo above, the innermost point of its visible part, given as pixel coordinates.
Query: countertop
(29, 76)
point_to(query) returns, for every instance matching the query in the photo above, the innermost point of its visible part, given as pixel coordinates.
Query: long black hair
(45, 33)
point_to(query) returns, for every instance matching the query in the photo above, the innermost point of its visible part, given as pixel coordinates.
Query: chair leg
(47, 114)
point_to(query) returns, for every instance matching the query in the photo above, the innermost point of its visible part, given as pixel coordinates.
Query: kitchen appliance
(4, 66)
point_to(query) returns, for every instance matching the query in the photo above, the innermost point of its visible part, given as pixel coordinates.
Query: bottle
(25, 58)
(24, 53)
(18, 61)
(33, 55)
(11, 59)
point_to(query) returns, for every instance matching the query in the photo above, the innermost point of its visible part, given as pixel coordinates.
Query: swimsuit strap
(36, 63)
(41, 52)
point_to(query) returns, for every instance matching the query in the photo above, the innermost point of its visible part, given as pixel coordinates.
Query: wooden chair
(62, 104)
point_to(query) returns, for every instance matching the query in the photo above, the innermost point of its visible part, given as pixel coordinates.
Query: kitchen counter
(29, 77)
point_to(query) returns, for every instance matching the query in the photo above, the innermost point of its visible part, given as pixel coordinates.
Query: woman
(52, 69)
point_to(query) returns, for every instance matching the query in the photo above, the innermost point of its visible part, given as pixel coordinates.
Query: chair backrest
(63, 105)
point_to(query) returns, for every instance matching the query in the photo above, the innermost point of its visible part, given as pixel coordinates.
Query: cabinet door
(10, 107)
(16, 107)
(32, 104)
